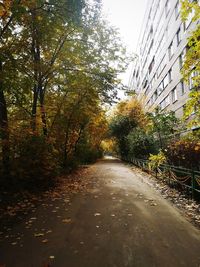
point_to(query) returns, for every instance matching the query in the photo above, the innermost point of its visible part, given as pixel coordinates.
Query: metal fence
(182, 178)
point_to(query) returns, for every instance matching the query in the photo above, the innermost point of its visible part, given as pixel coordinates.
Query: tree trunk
(35, 51)
(43, 113)
(4, 131)
(65, 154)
(34, 109)
(79, 137)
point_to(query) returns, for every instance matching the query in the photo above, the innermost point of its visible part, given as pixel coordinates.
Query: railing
(173, 175)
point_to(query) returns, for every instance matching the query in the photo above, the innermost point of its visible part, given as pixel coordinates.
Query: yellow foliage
(108, 145)
(133, 108)
(5, 8)
(156, 160)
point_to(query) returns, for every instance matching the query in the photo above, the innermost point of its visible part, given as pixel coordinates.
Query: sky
(127, 15)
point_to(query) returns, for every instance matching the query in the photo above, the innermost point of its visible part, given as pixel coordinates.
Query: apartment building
(161, 49)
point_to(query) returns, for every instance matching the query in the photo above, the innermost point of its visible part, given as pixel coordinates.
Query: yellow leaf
(66, 220)
(45, 241)
(38, 234)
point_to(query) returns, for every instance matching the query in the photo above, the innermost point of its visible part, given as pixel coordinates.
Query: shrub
(34, 164)
(87, 153)
(185, 153)
(141, 144)
(157, 160)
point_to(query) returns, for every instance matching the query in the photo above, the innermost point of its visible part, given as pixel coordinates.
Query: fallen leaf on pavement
(66, 220)
(45, 241)
(38, 234)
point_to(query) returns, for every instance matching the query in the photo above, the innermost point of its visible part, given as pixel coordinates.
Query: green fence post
(193, 184)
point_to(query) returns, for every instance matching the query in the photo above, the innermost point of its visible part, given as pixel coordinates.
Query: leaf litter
(25, 203)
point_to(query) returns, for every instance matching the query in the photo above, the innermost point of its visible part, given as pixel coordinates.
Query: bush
(185, 153)
(86, 153)
(141, 144)
(156, 160)
(34, 164)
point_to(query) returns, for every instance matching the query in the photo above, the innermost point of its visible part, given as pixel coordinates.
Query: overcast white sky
(127, 15)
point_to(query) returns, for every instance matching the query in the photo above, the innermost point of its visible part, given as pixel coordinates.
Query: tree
(163, 125)
(141, 143)
(60, 63)
(191, 66)
(8, 13)
(193, 107)
(128, 115)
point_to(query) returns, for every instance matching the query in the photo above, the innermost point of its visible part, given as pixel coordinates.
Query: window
(150, 48)
(181, 58)
(177, 9)
(165, 81)
(170, 75)
(153, 80)
(162, 41)
(184, 26)
(167, 8)
(182, 87)
(151, 65)
(166, 33)
(191, 80)
(170, 50)
(161, 66)
(137, 74)
(178, 36)
(145, 82)
(147, 90)
(174, 95)
(151, 101)
(162, 104)
(165, 102)
(151, 30)
(160, 88)
(184, 108)
(181, 61)
(155, 95)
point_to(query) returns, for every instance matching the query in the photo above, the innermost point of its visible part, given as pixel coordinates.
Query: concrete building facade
(161, 49)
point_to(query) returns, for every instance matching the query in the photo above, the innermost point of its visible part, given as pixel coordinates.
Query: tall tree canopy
(191, 67)
(59, 62)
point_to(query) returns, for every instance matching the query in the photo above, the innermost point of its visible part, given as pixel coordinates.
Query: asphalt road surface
(119, 222)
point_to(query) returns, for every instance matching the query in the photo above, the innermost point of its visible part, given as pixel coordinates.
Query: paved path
(120, 222)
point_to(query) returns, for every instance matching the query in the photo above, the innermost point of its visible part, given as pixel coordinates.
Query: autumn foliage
(185, 153)
(59, 62)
